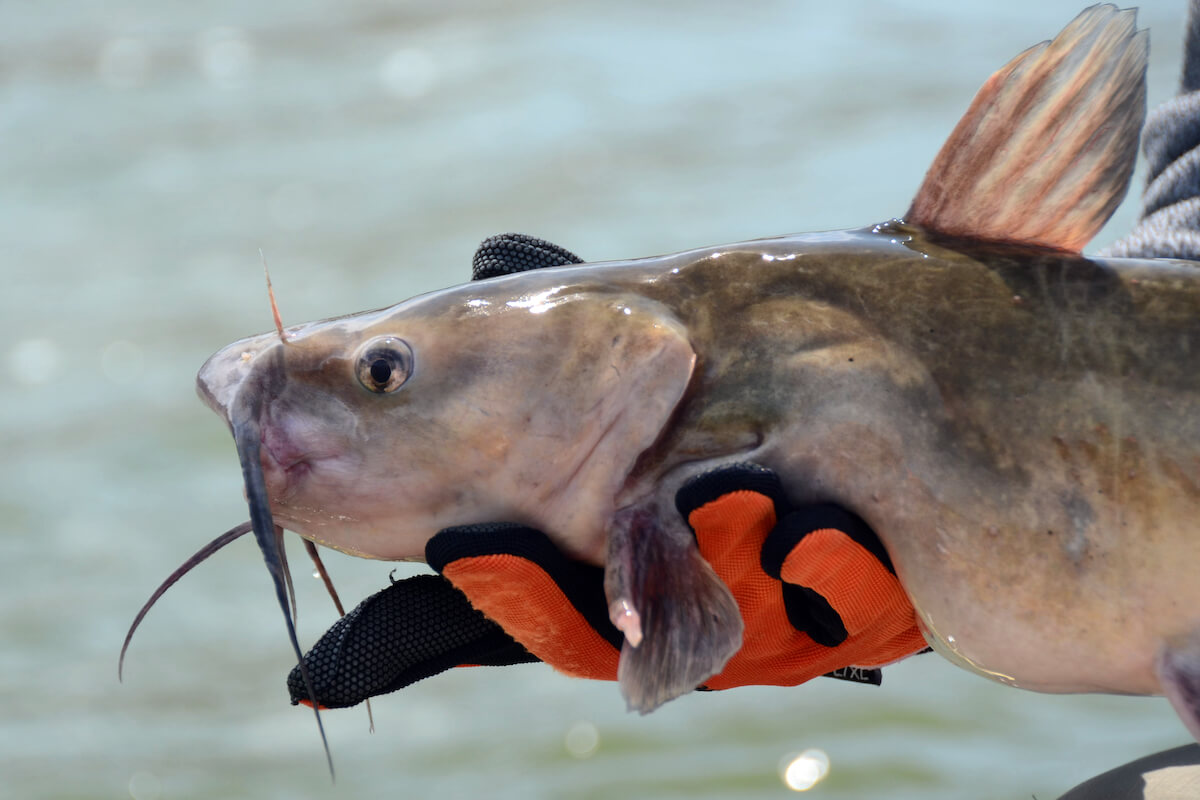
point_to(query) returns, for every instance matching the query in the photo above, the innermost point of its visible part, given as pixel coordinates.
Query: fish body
(1021, 427)
(1019, 424)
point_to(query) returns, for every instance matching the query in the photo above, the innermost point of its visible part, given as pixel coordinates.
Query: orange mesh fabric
(874, 608)
(520, 595)
(527, 603)
(878, 617)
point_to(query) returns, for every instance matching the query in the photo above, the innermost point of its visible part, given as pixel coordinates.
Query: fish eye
(384, 364)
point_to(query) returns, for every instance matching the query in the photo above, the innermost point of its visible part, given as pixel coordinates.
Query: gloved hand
(814, 586)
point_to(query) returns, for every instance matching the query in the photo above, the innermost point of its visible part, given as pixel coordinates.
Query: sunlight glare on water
(803, 771)
(582, 739)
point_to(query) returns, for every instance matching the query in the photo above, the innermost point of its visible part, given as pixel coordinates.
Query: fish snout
(224, 373)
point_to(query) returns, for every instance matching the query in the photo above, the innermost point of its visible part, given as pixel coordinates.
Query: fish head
(525, 399)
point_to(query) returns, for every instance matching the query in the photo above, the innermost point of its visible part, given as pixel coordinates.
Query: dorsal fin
(1046, 150)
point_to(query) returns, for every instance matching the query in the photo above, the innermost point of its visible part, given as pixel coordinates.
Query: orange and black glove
(814, 585)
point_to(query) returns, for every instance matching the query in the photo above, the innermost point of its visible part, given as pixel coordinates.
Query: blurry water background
(148, 150)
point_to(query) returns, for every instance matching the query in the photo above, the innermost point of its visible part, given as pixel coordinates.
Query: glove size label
(857, 675)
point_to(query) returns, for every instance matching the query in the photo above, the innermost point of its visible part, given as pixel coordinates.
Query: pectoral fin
(1178, 669)
(680, 621)
(1046, 150)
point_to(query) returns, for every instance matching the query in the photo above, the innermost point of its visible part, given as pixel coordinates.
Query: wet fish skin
(1022, 430)
(369, 474)
(1021, 425)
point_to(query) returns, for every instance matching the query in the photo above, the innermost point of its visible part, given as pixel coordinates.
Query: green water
(146, 155)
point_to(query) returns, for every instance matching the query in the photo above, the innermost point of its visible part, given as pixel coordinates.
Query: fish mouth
(244, 382)
(292, 448)
(284, 463)
(253, 366)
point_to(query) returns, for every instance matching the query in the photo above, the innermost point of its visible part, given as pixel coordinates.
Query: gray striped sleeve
(1169, 225)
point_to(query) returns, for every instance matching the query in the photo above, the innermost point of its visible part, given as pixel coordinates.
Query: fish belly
(1072, 583)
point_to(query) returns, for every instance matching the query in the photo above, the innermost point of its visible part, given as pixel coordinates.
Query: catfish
(1020, 424)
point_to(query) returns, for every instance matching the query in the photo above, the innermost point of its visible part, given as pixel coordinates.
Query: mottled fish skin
(1020, 424)
(1021, 428)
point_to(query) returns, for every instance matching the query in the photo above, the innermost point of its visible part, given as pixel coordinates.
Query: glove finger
(721, 482)
(843, 572)
(893, 636)
(794, 527)
(517, 252)
(551, 604)
(906, 642)
(409, 631)
(736, 523)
